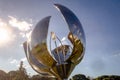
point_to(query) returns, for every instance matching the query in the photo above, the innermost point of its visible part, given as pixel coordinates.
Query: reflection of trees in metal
(61, 60)
(78, 49)
(61, 53)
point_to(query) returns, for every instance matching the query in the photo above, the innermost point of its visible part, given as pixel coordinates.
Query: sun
(4, 35)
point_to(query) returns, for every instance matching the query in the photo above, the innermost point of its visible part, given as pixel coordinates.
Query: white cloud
(18, 65)
(21, 25)
(63, 39)
(2, 23)
(23, 59)
(27, 66)
(117, 55)
(24, 65)
(22, 34)
(28, 35)
(14, 61)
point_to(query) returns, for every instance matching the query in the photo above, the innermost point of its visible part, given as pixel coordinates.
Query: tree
(3, 75)
(20, 74)
(79, 77)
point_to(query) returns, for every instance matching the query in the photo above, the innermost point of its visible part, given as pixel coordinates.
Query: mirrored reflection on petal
(39, 33)
(76, 34)
(72, 21)
(38, 67)
(38, 39)
(61, 53)
(42, 55)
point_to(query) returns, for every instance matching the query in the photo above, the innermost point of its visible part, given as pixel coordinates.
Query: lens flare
(4, 35)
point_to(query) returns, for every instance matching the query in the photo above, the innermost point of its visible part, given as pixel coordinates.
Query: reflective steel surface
(61, 61)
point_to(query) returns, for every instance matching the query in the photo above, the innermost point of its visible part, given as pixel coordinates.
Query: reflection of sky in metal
(39, 33)
(62, 54)
(72, 22)
(100, 20)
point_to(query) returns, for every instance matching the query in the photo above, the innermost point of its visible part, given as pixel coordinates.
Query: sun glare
(4, 35)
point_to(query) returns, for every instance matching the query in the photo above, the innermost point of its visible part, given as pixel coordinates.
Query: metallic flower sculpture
(61, 60)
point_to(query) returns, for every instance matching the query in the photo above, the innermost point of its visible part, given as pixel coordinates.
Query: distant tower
(22, 72)
(21, 68)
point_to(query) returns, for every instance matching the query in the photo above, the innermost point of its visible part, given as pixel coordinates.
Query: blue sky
(100, 20)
